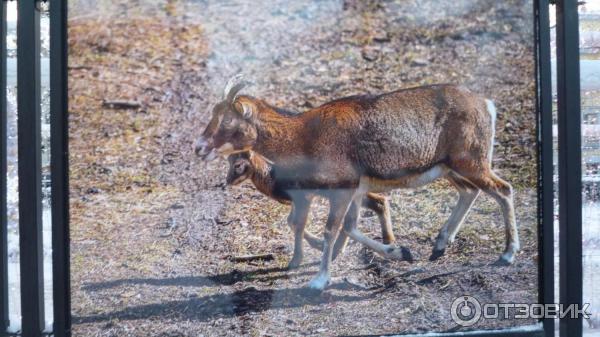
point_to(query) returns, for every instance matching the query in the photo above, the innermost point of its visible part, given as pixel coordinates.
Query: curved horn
(233, 86)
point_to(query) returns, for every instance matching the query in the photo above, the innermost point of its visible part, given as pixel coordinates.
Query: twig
(436, 276)
(77, 67)
(446, 285)
(247, 258)
(117, 104)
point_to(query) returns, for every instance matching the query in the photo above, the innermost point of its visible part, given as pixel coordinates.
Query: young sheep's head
(231, 125)
(240, 167)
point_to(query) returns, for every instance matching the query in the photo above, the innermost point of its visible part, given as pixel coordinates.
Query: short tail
(491, 108)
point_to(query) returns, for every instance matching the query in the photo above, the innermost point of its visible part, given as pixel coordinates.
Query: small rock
(419, 63)
(177, 206)
(170, 223)
(381, 35)
(92, 190)
(370, 54)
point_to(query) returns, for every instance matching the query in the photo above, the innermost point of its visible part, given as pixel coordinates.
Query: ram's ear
(246, 108)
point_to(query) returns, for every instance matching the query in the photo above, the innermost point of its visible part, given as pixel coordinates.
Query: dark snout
(204, 149)
(230, 180)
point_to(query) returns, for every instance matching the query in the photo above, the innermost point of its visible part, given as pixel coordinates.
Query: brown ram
(354, 145)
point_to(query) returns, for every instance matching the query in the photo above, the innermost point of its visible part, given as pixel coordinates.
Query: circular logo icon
(466, 310)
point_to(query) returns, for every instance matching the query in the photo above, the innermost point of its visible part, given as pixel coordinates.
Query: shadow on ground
(207, 308)
(227, 279)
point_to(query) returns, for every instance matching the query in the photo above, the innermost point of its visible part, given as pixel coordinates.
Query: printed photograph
(314, 168)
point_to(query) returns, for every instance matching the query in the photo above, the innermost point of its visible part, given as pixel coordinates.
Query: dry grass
(152, 227)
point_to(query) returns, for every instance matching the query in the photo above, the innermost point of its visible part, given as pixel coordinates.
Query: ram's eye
(227, 120)
(240, 168)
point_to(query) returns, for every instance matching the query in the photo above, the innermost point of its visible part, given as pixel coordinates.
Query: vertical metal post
(545, 164)
(30, 192)
(59, 167)
(569, 161)
(3, 143)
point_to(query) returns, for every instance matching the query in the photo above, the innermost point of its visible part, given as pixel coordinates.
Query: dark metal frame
(3, 220)
(569, 161)
(59, 160)
(60, 167)
(29, 168)
(545, 159)
(29, 148)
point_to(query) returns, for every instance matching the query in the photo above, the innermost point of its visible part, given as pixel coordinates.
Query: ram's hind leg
(381, 206)
(467, 193)
(502, 192)
(474, 192)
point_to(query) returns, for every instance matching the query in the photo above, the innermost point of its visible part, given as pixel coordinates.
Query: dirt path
(153, 227)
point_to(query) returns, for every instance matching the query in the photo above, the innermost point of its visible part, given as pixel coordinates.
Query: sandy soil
(153, 227)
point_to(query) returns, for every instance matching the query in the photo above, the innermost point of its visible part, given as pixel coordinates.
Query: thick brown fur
(359, 144)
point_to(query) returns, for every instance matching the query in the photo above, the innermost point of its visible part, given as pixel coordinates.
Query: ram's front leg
(338, 206)
(350, 221)
(297, 220)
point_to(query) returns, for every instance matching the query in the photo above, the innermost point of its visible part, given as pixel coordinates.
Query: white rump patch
(491, 108)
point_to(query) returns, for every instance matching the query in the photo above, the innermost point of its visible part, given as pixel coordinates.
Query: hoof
(293, 265)
(310, 292)
(407, 255)
(318, 284)
(504, 260)
(400, 254)
(436, 254)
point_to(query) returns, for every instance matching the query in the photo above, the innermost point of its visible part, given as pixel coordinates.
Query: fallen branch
(247, 258)
(79, 67)
(117, 104)
(432, 278)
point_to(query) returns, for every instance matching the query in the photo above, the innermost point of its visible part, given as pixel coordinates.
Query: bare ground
(153, 227)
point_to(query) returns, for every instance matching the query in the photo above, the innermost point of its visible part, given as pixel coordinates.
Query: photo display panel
(302, 168)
